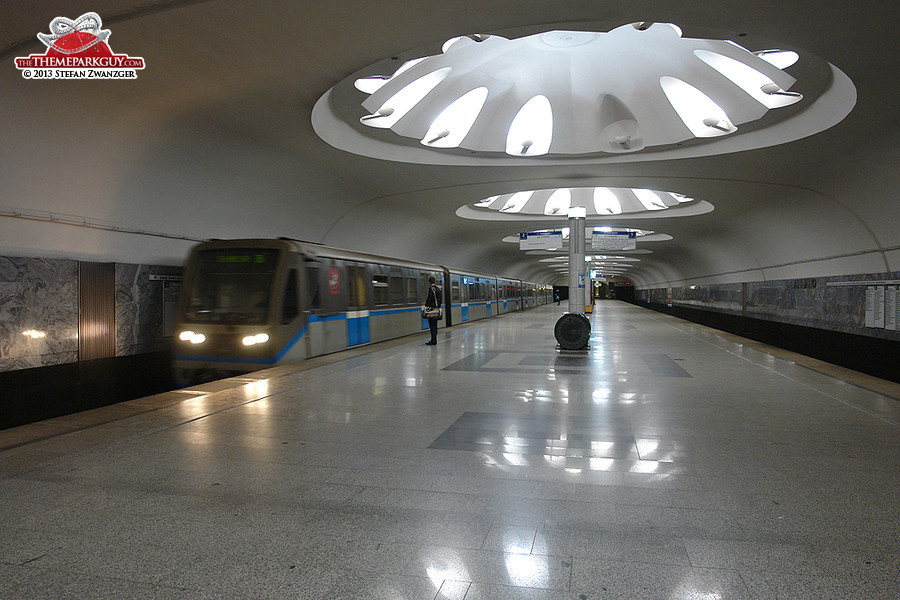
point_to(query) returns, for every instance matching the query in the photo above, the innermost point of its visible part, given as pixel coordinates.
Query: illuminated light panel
(558, 203)
(531, 130)
(606, 202)
(650, 199)
(516, 202)
(370, 85)
(781, 59)
(703, 117)
(403, 101)
(450, 127)
(750, 80)
(486, 201)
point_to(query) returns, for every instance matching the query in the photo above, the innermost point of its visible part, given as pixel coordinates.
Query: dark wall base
(42, 393)
(874, 356)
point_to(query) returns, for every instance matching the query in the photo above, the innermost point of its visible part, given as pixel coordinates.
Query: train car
(251, 304)
(470, 296)
(509, 292)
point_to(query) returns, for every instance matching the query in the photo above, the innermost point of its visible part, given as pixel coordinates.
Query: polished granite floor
(666, 462)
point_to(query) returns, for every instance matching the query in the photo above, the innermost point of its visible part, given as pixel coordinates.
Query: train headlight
(252, 340)
(190, 336)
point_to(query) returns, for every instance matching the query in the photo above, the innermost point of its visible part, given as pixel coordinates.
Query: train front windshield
(231, 286)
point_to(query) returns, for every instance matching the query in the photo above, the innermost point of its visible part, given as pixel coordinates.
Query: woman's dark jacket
(434, 298)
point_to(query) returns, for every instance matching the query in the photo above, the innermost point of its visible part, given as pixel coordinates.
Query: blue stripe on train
(358, 334)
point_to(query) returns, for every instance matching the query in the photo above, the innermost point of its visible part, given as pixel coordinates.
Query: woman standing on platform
(432, 310)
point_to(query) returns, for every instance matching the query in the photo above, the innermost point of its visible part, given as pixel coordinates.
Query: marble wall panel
(832, 303)
(140, 308)
(726, 298)
(41, 295)
(822, 302)
(38, 295)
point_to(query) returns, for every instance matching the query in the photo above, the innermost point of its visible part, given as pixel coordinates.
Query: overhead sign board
(613, 240)
(547, 240)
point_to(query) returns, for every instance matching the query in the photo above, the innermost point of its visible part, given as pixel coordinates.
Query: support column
(576, 260)
(573, 329)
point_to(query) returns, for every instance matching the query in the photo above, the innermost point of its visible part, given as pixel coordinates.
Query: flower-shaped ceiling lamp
(578, 92)
(597, 201)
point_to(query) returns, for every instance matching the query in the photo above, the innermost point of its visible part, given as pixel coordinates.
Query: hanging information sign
(547, 240)
(613, 240)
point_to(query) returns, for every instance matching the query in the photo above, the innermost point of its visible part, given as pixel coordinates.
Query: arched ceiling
(214, 139)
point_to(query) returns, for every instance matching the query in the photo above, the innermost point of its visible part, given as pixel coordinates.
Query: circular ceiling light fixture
(565, 95)
(598, 202)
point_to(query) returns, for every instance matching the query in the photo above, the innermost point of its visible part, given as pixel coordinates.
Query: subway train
(251, 304)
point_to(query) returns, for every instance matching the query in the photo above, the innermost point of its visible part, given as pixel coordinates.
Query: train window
(396, 289)
(231, 285)
(313, 298)
(411, 295)
(454, 290)
(290, 307)
(472, 295)
(380, 289)
(356, 287)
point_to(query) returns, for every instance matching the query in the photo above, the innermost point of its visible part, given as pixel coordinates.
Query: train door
(323, 305)
(448, 313)
(492, 297)
(454, 302)
(312, 307)
(357, 305)
(464, 298)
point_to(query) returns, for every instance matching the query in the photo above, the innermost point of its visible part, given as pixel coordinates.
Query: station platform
(666, 461)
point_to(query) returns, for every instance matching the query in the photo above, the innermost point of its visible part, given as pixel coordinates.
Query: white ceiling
(214, 139)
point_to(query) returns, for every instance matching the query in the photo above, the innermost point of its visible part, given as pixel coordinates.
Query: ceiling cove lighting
(596, 202)
(565, 93)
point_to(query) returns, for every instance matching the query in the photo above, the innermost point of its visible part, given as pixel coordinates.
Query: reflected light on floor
(512, 544)
(646, 446)
(600, 464)
(601, 395)
(527, 570)
(439, 574)
(695, 595)
(645, 466)
(518, 460)
(257, 389)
